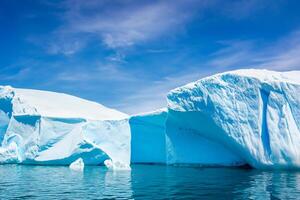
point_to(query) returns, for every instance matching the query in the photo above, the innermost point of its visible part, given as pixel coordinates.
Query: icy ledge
(253, 114)
(39, 127)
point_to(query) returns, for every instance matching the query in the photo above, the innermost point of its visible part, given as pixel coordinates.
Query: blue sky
(128, 54)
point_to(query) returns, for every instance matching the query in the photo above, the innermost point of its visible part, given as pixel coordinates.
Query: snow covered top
(196, 90)
(52, 104)
(262, 75)
(267, 75)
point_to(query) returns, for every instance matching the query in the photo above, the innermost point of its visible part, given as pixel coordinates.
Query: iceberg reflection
(146, 182)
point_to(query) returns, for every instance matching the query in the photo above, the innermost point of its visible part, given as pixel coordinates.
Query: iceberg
(148, 137)
(250, 116)
(77, 165)
(228, 119)
(48, 128)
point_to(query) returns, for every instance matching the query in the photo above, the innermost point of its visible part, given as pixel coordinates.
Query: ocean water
(146, 182)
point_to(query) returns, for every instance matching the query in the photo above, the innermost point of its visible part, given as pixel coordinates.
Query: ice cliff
(39, 127)
(148, 137)
(158, 138)
(250, 115)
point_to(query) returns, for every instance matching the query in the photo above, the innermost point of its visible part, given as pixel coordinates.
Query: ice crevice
(265, 137)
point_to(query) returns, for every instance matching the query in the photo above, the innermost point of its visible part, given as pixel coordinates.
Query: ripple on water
(146, 182)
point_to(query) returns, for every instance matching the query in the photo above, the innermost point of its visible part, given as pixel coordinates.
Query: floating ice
(116, 166)
(77, 165)
(9, 154)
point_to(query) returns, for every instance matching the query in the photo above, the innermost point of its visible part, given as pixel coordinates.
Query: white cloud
(120, 24)
(21, 74)
(129, 24)
(125, 23)
(97, 72)
(66, 45)
(282, 54)
(232, 53)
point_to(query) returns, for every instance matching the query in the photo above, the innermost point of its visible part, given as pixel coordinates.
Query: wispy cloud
(126, 24)
(277, 55)
(19, 74)
(123, 24)
(65, 44)
(282, 55)
(232, 53)
(99, 72)
(120, 24)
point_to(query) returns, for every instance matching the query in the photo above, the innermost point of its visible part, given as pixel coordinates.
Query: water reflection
(146, 182)
(214, 183)
(118, 184)
(274, 185)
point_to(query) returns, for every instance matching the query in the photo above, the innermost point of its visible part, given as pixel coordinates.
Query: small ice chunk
(9, 154)
(116, 165)
(77, 165)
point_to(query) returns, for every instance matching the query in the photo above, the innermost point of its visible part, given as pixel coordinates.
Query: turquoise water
(146, 182)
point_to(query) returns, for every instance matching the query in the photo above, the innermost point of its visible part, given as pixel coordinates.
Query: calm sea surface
(146, 182)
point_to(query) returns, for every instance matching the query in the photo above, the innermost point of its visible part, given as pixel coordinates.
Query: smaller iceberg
(77, 165)
(49, 128)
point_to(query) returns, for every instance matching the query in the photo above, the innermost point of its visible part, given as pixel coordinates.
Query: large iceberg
(229, 119)
(244, 115)
(39, 127)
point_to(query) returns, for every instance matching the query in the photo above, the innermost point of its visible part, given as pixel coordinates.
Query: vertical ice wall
(163, 137)
(148, 137)
(187, 145)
